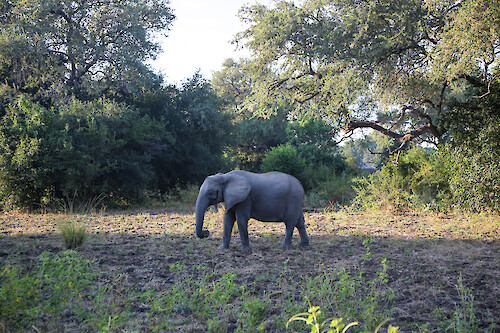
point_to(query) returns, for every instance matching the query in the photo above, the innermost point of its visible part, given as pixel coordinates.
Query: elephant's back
(275, 180)
(284, 178)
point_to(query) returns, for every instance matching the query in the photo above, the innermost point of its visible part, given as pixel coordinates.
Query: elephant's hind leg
(301, 227)
(287, 244)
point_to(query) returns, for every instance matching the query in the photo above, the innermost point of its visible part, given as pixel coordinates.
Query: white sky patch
(200, 38)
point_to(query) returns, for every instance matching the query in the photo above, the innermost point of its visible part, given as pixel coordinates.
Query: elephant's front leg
(242, 220)
(229, 219)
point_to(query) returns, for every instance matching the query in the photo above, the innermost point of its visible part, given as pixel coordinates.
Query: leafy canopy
(67, 45)
(400, 61)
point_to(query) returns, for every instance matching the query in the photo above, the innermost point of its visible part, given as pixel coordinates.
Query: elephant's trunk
(201, 207)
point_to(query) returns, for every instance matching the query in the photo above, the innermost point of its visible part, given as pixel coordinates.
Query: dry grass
(426, 255)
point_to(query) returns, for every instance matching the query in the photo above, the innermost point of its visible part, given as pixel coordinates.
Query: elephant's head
(230, 188)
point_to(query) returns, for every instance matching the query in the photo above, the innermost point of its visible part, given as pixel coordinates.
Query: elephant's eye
(212, 195)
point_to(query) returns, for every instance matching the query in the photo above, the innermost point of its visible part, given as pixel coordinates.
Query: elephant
(268, 197)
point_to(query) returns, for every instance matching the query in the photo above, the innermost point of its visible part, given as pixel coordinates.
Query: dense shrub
(23, 142)
(76, 152)
(409, 181)
(196, 135)
(453, 178)
(475, 179)
(284, 158)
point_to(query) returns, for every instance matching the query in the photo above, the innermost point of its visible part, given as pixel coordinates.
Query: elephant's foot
(245, 249)
(223, 248)
(287, 246)
(204, 234)
(303, 244)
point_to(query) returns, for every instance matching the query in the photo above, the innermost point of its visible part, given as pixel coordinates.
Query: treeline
(82, 151)
(84, 120)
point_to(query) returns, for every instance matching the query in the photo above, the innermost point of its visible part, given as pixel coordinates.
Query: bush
(329, 183)
(475, 179)
(332, 190)
(284, 158)
(23, 133)
(79, 152)
(454, 177)
(413, 180)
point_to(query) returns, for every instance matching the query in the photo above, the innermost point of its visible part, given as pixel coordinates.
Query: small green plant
(464, 318)
(40, 296)
(312, 319)
(74, 235)
(252, 315)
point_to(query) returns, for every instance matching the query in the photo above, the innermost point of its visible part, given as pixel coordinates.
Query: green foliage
(85, 47)
(330, 189)
(79, 155)
(207, 297)
(39, 298)
(454, 177)
(84, 121)
(409, 181)
(392, 66)
(197, 134)
(351, 296)
(252, 315)
(314, 140)
(284, 158)
(254, 137)
(79, 151)
(475, 154)
(370, 150)
(57, 287)
(464, 318)
(475, 179)
(23, 133)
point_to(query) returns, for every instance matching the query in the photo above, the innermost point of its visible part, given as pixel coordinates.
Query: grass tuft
(74, 235)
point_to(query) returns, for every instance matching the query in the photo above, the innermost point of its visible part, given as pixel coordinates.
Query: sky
(200, 38)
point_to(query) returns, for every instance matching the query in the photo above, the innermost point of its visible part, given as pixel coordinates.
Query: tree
(196, 134)
(314, 141)
(402, 59)
(82, 45)
(253, 135)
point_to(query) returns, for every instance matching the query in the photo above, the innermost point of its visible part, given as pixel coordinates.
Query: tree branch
(403, 138)
(489, 89)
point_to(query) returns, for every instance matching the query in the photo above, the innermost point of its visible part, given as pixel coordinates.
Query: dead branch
(347, 136)
(403, 138)
(489, 89)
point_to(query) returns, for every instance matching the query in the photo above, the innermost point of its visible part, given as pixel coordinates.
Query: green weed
(40, 297)
(352, 295)
(464, 318)
(312, 319)
(251, 316)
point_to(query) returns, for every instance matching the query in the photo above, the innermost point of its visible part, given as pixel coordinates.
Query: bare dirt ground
(426, 256)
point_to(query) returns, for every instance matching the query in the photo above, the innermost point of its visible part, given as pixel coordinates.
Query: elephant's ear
(236, 189)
